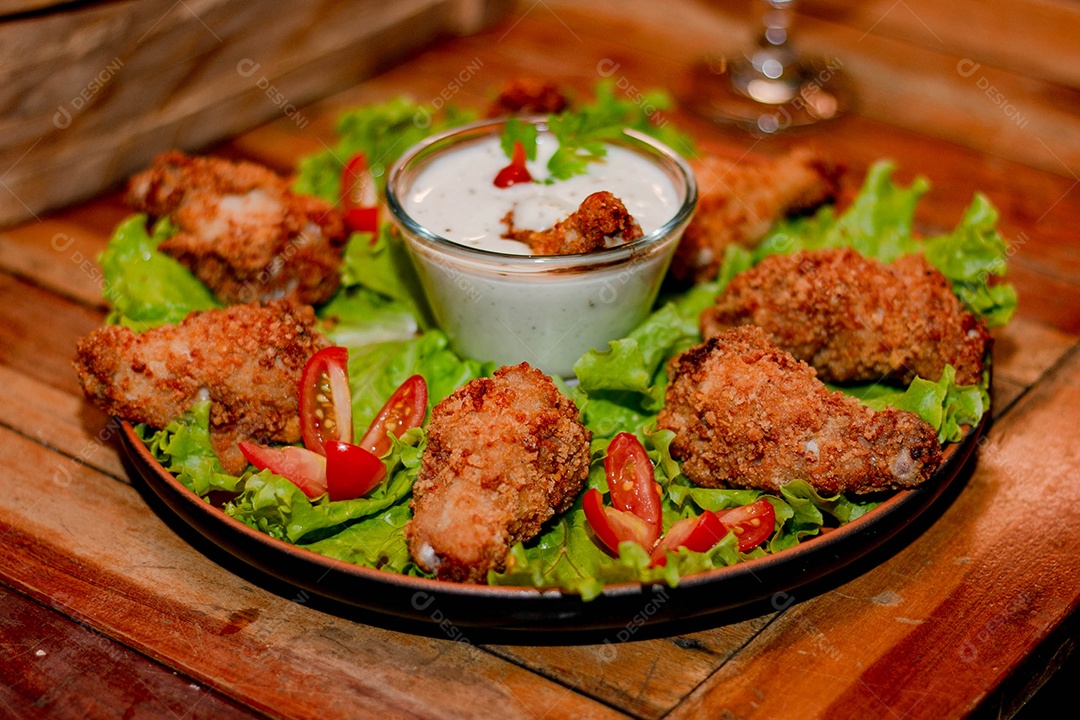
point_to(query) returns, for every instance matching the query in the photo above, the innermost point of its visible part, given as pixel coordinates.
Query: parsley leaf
(583, 132)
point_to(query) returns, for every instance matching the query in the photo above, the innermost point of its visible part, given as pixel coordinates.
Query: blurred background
(92, 90)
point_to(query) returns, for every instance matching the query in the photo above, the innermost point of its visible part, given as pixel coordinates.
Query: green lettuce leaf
(376, 542)
(943, 404)
(878, 224)
(376, 371)
(144, 287)
(382, 132)
(275, 506)
(183, 448)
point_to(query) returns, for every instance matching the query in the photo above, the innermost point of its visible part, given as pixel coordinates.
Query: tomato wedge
(699, 534)
(304, 468)
(359, 197)
(630, 479)
(751, 523)
(615, 526)
(515, 172)
(325, 399)
(403, 411)
(351, 471)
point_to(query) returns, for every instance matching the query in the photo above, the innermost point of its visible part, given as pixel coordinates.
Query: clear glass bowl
(547, 310)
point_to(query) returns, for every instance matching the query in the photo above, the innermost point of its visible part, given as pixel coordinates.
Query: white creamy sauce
(506, 311)
(455, 195)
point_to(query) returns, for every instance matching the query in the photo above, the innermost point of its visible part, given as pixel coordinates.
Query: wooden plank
(950, 617)
(56, 668)
(1031, 37)
(62, 421)
(929, 91)
(40, 330)
(645, 677)
(139, 78)
(100, 553)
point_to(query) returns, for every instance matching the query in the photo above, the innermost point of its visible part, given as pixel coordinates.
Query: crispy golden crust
(247, 359)
(242, 231)
(504, 454)
(739, 199)
(600, 221)
(528, 96)
(856, 319)
(746, 414)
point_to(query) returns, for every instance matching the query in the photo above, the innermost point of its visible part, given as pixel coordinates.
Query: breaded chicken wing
(600, 221)
(504, 454)
(746, 414)
(856, 319)
(246, 359)
(741, 197)
(241, 230)
(528, 96)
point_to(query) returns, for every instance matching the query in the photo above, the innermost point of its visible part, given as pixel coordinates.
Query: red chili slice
(515, 172)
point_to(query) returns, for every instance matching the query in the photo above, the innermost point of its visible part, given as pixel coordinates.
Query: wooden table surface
(109, 607)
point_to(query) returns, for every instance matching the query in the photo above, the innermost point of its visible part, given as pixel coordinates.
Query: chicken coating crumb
(241, 229)
(740, 199)
(246, 359)
(856, 319)
(528, 96)
(746, 414)
(504, 455)
(600, 221)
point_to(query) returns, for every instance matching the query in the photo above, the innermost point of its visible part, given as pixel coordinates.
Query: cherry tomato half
(302, 467)
(325, 399)
(403, 411)
(630, 479)
(752, 523)
(359, 197)
(699, 534)
(351, 471)
(615, 526)
(515, 172)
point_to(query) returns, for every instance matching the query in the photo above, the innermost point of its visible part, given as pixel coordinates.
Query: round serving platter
(525, 609)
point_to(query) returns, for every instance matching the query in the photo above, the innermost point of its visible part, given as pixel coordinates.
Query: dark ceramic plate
(513, 608)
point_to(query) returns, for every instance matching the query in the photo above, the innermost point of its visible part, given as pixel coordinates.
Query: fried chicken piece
(600, 221)
(528, 96)
(739, 200)
(241, 229)
(246, 359)
(747, 414)
(856, 319)
(504, 455)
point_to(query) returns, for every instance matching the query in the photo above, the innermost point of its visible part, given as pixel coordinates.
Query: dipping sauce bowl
(493, 299)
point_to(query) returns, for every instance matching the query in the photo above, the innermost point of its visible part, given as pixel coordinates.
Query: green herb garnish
(582, 133)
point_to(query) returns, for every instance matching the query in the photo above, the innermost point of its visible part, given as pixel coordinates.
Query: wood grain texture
(945, 622)
(92, 548)
(956, 601)
(55, 668)
(138, 78)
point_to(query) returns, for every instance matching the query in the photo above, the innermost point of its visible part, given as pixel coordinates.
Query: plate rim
(470, 604)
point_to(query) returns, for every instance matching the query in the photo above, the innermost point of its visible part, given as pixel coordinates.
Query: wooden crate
(90, 92)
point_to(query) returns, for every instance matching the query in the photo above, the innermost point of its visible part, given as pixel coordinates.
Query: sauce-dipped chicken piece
(601, 220)
(856, 319)
(246, 359)
(747, 414)
(241, 230)
(504, 455)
